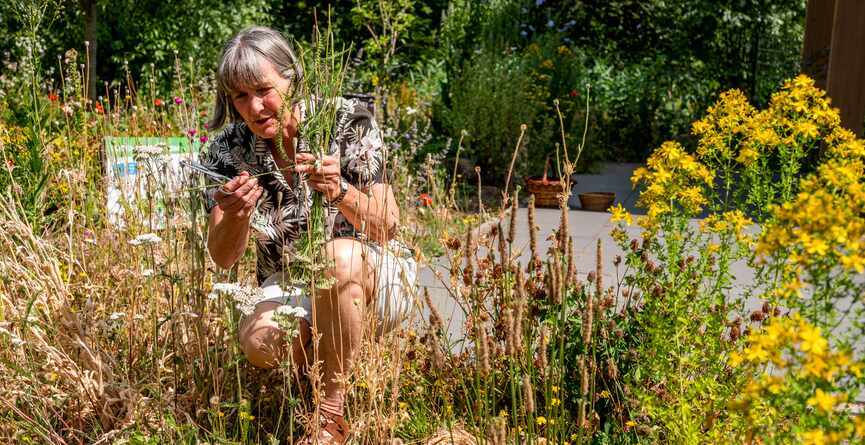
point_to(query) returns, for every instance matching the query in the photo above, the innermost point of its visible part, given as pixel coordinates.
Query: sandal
(333, 431)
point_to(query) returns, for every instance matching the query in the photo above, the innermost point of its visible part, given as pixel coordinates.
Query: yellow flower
(620, 214)
(859, 422)
(815, 437)
(554, 402)
(541, 420)
(822, 400)
(735, 359)
(812, 341)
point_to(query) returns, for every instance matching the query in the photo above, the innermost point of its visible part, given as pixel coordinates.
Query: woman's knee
(261, 340)
(345, 257)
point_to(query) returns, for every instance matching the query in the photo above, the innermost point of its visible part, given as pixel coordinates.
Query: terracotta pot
(597, 201)
(545, 190)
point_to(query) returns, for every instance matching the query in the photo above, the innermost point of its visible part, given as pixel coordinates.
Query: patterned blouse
(281, 213)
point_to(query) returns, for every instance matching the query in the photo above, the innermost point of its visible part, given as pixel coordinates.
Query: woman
(269, 197)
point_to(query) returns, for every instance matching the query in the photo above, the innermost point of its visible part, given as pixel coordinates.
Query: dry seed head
(510, 332)
(544, 342)
(556, 293)
(435, 318)
(563, 225)
(483, 345)
(518, 325)
(528, 395)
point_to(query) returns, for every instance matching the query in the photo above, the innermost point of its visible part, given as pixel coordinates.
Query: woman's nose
(256, 104)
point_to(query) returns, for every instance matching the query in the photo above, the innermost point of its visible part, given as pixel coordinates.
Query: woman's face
(259, 105)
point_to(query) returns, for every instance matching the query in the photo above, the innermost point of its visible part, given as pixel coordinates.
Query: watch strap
(343, 189)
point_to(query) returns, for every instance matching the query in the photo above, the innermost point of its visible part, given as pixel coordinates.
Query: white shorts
(395, 291)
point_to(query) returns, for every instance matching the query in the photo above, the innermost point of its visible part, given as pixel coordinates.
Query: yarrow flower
(244, 298)
(147, 238)
(143, 151)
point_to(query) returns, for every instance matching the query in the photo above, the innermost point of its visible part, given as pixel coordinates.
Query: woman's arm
(375, 212)
(229, 219)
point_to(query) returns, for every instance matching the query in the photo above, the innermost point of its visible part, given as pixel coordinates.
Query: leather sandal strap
(336, 426)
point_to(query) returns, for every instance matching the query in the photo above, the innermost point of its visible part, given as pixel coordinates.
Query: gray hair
(240, 66)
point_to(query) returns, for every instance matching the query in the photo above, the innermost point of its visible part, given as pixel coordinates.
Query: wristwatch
(343, 189)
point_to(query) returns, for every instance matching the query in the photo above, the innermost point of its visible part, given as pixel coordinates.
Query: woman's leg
(338, 314)
(263, 342)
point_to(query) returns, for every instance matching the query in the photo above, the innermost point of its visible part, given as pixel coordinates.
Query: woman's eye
(238, 96)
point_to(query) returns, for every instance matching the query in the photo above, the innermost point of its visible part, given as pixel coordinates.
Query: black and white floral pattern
(281, 213)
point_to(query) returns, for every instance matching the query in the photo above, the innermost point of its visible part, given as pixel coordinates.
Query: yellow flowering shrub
(674, 180)
(801, 226)
(723, 128)
(797, 387)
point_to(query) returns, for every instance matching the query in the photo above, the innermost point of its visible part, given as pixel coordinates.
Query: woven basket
(545, 190)
(597, 201)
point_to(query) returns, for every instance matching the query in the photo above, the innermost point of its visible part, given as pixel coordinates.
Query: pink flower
(203, 138)
(191, 132)
(177, 100)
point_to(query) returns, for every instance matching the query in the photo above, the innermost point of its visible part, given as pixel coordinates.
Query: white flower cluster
(142, 151)
(147, 238)
(243, 297)
(287, 317)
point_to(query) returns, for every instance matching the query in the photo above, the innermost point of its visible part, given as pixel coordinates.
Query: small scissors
(198, 168)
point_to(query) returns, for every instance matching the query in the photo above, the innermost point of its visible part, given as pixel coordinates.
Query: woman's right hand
(237, 198)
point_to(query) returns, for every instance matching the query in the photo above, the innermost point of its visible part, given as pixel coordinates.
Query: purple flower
(203, 138)
(177, 100)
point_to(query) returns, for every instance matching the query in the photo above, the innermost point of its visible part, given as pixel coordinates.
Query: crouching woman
(269, 199)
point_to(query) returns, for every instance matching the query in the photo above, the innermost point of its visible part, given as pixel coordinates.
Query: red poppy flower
(99, 108)
(574, 93)
(9, 164)
(53, 97)
(157, 102)
(424, 200)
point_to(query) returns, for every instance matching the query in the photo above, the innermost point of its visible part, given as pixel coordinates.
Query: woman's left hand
(324, 179)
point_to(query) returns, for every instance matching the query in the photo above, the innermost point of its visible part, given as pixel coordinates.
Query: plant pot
(597, 201)
(546, 190)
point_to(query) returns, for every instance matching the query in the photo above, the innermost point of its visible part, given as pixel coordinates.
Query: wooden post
(846, 79)
(819, 17)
